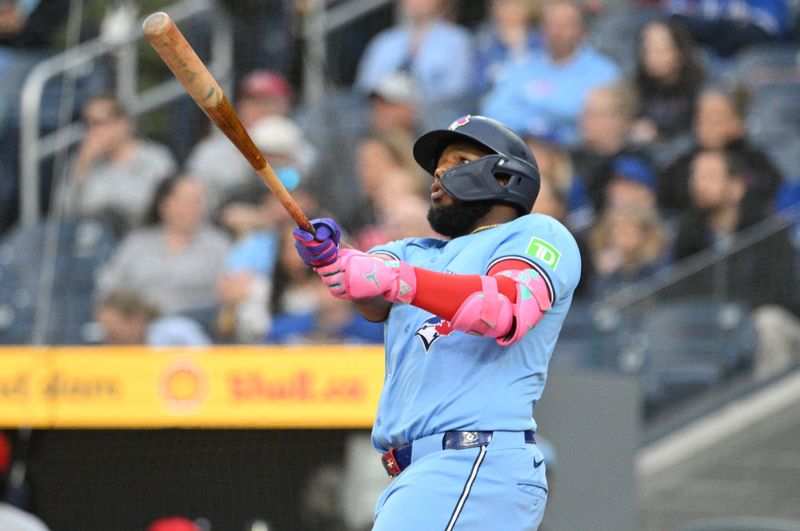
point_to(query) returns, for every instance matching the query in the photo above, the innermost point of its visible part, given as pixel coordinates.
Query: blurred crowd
(636, 110)
(662, 129)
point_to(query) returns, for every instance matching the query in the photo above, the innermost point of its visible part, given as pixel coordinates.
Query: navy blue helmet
(510, 160)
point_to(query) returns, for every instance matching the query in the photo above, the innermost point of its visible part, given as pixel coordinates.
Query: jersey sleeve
(548, 248)
(396, 249)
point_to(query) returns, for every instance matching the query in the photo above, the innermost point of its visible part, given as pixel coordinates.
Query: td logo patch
(433, 329)
(544, 251)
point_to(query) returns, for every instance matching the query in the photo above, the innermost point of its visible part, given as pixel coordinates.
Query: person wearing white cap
(394, 104)
(215, 161)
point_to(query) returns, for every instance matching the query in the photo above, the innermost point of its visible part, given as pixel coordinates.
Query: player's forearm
(507, 305)
(375, 310)
(442, 294)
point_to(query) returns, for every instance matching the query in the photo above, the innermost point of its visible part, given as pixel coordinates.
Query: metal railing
(318, 22)
(34, 147)
(628, 298)
(688, 331)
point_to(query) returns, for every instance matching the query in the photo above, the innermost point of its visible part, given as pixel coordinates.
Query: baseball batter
(470, 324)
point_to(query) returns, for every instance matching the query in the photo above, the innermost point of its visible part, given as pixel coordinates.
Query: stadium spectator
(555, 166)
(395, 104)
(294, 299)
(244, 287)
(762, 276)
(507, 39)
(552, 202)
(719, 123)
(215, 161)
(605, 124)
(436, 52)
(728, 26)
(254, 216)
(386, 172)
(174, 261)
(302, 309)
(407, 216)
(553, 84)
(628, 245)
(667, 80)
(114, 172)
(13, 518)
(26, 24)
(402, 214)
(127, 320)
(632, 184)
(289, 154)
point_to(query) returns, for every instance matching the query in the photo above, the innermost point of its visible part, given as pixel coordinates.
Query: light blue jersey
(439, 379)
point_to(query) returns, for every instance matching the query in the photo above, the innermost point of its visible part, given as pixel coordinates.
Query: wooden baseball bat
(180, 57)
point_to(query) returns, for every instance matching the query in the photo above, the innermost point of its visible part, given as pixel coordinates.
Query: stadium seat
(782, 145)
(772, 75)
(591, 339)
(691, 345)
(80, 248)
(16, 315)
(616, 34)
(768, 63)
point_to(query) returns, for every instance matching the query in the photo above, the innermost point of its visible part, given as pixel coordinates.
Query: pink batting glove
(357, 275)
(370, 276)
(333, 275)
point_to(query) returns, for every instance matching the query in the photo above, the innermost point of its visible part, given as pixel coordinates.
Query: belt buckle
(390, 463)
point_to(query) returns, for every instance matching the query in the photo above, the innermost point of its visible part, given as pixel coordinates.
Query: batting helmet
(510, 160)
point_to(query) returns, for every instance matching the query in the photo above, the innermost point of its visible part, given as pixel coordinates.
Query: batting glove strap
(334, 276)
(485, 313)
(368, 276)
(489, 313)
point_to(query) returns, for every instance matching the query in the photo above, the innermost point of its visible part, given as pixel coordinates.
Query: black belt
(397, 459)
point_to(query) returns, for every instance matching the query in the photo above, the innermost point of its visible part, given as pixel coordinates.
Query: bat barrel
(156, 24)
(181, 58)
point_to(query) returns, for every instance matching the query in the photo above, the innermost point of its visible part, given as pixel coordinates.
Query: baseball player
(470, 324)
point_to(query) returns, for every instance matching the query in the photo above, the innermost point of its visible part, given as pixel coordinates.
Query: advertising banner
(319, 386)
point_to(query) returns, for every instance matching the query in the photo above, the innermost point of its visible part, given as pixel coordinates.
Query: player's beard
(458, 219)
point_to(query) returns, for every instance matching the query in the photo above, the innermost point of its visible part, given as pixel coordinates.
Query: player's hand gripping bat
(177, 53)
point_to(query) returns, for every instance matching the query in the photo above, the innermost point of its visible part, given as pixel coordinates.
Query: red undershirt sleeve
(443, 294)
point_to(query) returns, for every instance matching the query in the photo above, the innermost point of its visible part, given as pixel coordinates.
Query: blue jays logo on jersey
(433, 329)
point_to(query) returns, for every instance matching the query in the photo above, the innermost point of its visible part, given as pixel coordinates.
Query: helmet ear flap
(494, 177)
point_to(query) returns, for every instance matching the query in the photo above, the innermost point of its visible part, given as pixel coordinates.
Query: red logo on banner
(184, 386)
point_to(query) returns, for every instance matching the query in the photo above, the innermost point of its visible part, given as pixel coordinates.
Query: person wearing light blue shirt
(552, 84)
(438, 54)
(504, 41)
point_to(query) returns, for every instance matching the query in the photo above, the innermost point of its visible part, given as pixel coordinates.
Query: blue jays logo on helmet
(464, 120)
(433, 329)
